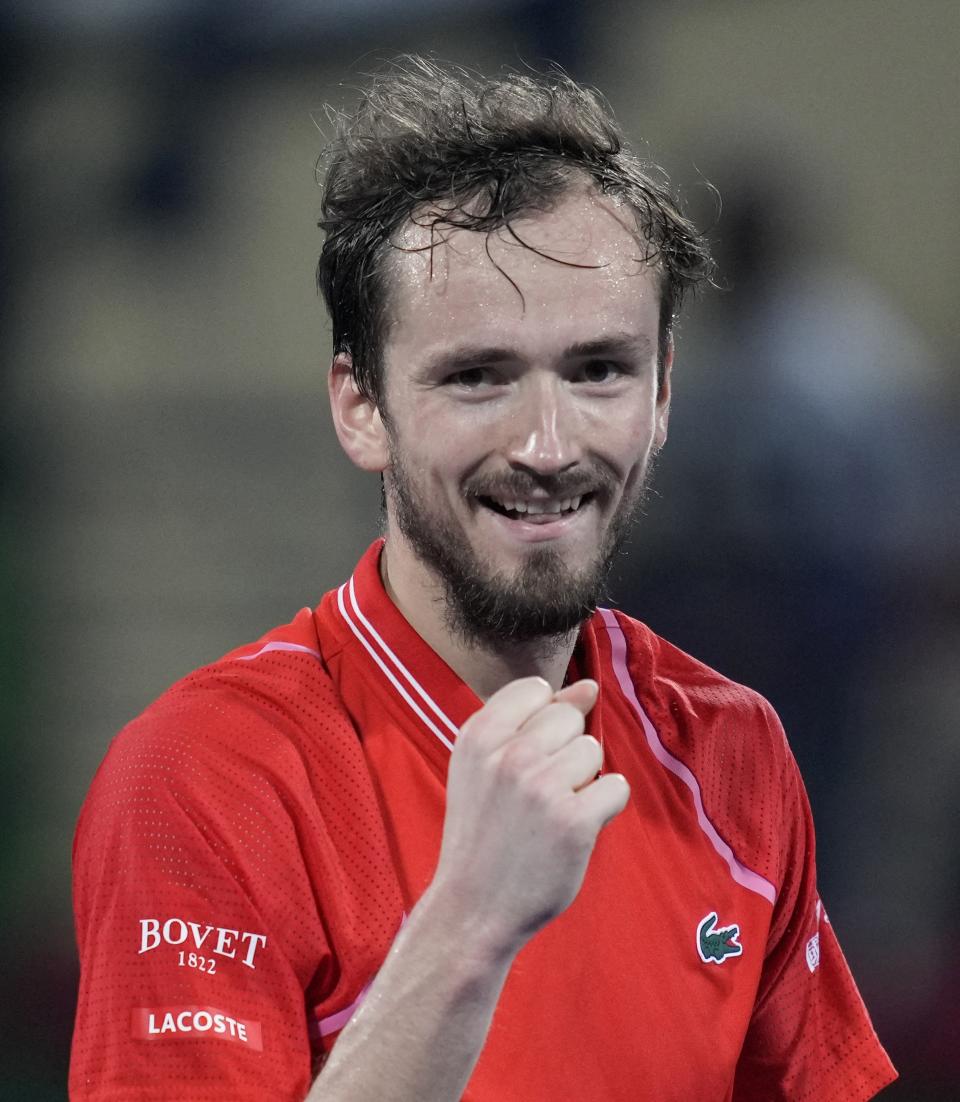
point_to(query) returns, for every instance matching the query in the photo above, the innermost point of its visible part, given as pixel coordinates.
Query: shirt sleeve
(810, 1038)
(197, 926)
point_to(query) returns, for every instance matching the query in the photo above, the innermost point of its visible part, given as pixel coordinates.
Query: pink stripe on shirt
(747, 878)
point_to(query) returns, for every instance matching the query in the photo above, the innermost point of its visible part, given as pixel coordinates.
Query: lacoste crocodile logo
(716, 943)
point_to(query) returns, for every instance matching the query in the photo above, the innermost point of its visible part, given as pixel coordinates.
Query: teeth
(569, 504)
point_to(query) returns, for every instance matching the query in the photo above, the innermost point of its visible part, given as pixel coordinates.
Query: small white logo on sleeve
(813, 952)
(813, 945)
(220, 940)
(154, 1023)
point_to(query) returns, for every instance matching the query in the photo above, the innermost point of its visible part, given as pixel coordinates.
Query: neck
(485, 668)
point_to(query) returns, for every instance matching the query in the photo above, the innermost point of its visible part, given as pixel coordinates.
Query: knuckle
(476, 734)
(469, 732)
(466, 754)
(580, 834)
(540, 800)
(514, 760)
(585, 827)
(566, 820)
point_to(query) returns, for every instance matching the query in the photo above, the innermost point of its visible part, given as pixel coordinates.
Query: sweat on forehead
(582, 230)
(568, 277)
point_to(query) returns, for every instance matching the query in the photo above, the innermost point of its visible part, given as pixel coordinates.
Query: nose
(545, 434)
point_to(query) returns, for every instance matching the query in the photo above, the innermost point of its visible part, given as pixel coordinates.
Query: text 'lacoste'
(152, 1023)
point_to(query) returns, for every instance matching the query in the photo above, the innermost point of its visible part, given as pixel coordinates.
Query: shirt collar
(437, 696)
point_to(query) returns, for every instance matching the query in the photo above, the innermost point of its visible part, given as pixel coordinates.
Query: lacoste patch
(715, 943)
(154, 1023)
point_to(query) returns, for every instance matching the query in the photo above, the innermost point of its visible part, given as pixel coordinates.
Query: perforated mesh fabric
(810, 1038)
(216, 808)
(236, 890)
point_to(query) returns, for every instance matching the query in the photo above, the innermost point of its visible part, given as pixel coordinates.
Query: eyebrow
(618, 344)
(464, 357)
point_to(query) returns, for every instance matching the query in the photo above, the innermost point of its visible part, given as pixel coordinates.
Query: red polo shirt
(252, 841)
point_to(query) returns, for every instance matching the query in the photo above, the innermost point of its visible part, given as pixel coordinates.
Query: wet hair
(452, 149)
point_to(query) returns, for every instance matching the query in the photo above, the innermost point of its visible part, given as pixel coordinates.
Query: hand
(524, 809)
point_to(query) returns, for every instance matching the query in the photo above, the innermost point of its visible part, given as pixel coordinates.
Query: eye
(472, 377)
(601, 371)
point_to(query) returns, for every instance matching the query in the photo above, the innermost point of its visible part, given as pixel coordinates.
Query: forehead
(571, 274)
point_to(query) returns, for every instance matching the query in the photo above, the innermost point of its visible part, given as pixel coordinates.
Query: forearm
(523, 814)
(424, 1021)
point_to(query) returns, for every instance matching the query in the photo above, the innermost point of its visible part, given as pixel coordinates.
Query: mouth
(540, 511)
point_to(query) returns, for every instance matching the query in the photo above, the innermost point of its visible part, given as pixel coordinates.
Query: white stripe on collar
(399, 667)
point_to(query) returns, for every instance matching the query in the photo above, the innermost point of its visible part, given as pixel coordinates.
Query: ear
(356, 418)
(662, 413)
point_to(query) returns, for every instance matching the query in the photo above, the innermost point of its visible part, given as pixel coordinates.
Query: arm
(523, 813)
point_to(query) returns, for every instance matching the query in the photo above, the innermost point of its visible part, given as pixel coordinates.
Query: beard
(544, 599)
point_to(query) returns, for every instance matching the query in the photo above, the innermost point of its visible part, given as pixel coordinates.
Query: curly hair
(481, 152)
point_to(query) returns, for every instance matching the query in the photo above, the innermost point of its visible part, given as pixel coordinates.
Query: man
(458, 832)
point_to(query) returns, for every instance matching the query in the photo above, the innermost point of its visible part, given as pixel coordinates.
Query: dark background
(171, 485)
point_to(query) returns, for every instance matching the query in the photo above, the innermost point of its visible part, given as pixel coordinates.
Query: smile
(534, 520)
(542, 510)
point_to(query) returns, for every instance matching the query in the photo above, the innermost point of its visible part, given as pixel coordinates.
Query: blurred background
(171, 485)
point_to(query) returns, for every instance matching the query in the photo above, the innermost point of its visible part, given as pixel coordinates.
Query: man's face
(521, 431)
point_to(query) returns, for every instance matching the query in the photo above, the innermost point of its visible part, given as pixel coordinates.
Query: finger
(550, 729)
(507, 710)
(581, 694)
(576, 764)
(604, 799)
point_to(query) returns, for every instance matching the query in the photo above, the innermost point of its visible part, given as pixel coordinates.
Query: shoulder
(680, 687)
(236, 806)
(253, 729)
(727, 735)
(245, 782)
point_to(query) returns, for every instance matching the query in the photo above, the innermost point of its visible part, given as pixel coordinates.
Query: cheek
(627, 443)
(430, 464)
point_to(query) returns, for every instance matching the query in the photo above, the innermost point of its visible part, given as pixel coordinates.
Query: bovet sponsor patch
(151, 1023)
(203, 937)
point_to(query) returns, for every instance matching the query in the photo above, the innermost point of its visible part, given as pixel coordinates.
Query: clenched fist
(524, 808)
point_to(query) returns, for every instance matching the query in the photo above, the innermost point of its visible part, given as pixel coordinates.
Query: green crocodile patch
(716, 943)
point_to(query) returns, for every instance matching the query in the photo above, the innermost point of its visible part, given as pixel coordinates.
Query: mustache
(519, 484)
